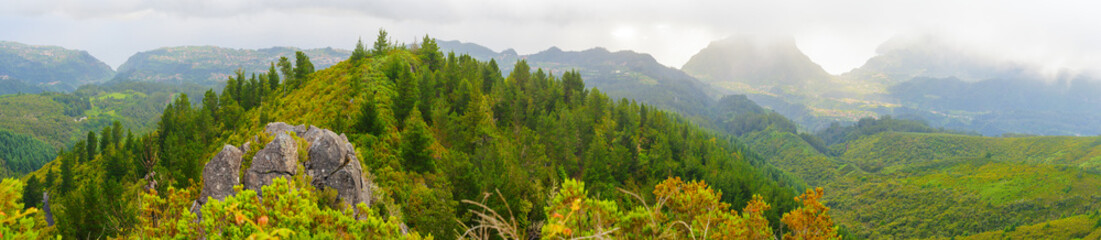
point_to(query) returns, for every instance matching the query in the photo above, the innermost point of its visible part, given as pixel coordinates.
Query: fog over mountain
(838, 35)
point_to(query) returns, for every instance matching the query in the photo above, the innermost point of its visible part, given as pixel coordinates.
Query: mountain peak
(755, 60)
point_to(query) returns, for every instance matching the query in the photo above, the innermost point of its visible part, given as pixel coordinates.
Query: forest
(457, 150)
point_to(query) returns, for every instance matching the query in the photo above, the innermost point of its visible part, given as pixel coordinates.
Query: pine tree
(273, 78)
(408, 92)
(91, 146)
(368, 117)
(104, 138)
(415, 146)
(288, 73)
(32, 193)
(66, 174)
(429, 53)
(382, 43)
(359, 53)
(302, 68)
(116, 133)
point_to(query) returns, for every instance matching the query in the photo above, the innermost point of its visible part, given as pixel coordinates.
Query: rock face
(279, 158)
(333, 164)
(221, 174)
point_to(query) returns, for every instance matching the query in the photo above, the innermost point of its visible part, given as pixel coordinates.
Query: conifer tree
(368, 117)
(273, 78)
(90, 148)
(359, 53)
(416, 142)
(429, 53)
(288, 73)
(302, 68)
(382, 43)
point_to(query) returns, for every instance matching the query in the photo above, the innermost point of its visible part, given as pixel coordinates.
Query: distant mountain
(478, 52)
(622, 74)
(903, 58)
(773, 72)
(957, 88)
(48, 68)
(209, 65)
(758, 62)
(1013, 105)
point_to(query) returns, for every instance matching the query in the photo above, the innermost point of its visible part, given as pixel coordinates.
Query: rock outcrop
(332, 164)
(279, 158)
(221, 173)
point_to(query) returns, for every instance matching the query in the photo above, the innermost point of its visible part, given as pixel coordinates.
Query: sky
(838, 35)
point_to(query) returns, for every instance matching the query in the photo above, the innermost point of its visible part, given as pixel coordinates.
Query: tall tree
(32, 193)
(429, 53)
(91, 146)
(67, 174)
(273, 78)
(408, 91)
(359, 53)
(415, 146)
(302, 68)
(116, 132)
(210, 104)
(288, 73)
(382, 43)
(368, 117)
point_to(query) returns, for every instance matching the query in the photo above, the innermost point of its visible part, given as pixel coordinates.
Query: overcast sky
(839, 35)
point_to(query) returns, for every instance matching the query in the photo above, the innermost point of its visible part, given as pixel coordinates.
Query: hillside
(899, 185)
(622, 74)
(62, 118)
(210, 65)
(48, 68)
(532, 142)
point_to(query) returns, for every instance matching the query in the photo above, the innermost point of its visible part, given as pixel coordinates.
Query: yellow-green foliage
(40, 117)
(684, 210)
(960, 197)
(285, 211)
(790, 153)
(15, 223)
(1076, 227)
(887, 150)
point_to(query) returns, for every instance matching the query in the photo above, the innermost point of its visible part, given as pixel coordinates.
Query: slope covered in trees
(432, 131)
(621, 74)
(63, 118)
(20, 154)
(49, 67)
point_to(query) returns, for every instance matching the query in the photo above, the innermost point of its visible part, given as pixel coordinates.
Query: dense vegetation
(60, 119)
(20, 154)
(433, 130)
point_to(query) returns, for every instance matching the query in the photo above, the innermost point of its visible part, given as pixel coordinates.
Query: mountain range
(919, 77)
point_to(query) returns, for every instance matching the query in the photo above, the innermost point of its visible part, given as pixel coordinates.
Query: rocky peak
(332, 163)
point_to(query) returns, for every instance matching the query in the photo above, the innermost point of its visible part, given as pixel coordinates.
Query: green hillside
(445, 139)
(904, 184)
(210, 65)
(622, 74)
(62, 118)
(49, 67)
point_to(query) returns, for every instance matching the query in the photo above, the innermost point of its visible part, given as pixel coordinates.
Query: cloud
(839, 35)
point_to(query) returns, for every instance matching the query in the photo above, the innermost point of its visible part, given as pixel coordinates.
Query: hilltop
(33, 69)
